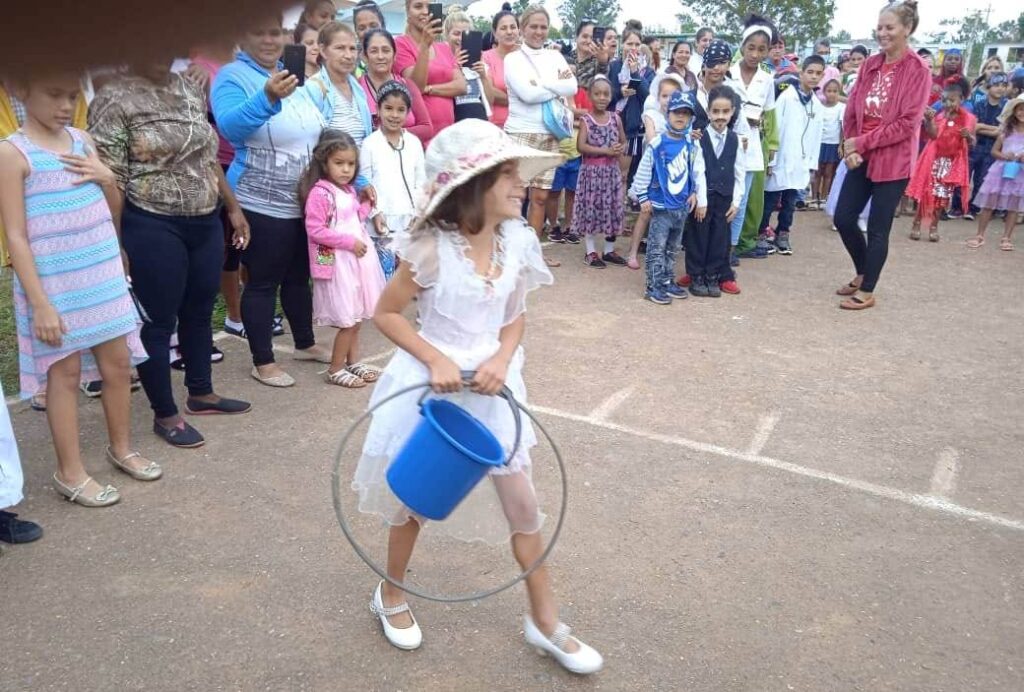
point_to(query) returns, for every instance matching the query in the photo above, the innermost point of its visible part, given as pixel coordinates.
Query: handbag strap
(526, 55)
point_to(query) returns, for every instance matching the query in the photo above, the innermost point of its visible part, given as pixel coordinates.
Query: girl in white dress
(470, 260)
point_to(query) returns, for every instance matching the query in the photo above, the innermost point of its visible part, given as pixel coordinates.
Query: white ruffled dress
(462, 315)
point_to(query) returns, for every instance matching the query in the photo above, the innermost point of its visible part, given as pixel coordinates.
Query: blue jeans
(737, 222)
(663, 241)
(785, 212)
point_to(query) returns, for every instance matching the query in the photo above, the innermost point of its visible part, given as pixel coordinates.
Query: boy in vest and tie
(670, 185)
(801, 122)
(708, 240)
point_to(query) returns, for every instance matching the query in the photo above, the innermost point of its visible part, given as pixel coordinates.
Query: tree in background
(842, 36)
(604, 12)
(799, 21)
(974, 31)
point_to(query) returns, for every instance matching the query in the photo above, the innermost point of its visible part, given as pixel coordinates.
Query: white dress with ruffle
(462, 315)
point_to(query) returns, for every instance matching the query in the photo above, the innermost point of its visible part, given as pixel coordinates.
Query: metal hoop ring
(458, 598)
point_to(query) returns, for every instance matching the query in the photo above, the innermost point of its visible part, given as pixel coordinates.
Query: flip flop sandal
(344, 378)
(933, 235)
(855, 303)
(975, 242)
(915, 234)
(848, 290)
(38, 402)
(1006, 245)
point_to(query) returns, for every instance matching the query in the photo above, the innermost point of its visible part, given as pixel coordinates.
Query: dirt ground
(766, 493)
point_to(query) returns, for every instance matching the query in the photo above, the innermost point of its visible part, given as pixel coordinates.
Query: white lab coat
(800, 129)
(10, 464)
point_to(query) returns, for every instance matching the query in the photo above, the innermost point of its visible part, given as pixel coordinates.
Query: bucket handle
(506, 394)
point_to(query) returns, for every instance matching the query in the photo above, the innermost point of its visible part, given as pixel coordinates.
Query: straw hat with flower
(467, 149)
(1010, 106)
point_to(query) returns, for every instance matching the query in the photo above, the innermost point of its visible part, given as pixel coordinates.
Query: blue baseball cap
(681, 100)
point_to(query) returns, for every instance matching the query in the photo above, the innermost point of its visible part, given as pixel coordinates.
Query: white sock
(591, 244)
(609, 246)
(228, 322)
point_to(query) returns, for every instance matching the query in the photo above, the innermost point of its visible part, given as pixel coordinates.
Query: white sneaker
(406, 639)
(583, 662)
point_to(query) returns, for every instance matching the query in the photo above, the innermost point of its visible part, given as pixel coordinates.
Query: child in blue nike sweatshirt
(670, 184)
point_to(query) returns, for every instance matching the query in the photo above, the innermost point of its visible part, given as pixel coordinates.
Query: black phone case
(473, 44)
(295, 61)
(436, 11)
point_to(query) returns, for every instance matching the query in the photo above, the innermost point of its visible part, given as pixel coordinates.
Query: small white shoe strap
(560, 636)
(388, 612)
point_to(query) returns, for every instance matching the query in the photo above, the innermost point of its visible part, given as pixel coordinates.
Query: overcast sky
(850, 14)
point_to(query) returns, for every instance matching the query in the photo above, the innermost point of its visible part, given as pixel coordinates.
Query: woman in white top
(535, 76)
(756, 88)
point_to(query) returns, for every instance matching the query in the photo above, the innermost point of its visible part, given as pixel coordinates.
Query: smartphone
(436, 11)
(599, 32)
(295, 61)
(473, 44)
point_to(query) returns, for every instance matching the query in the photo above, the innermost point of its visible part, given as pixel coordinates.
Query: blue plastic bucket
(447, 454)
(1010, 169)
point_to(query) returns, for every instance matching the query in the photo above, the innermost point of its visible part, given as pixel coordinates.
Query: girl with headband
(754, 84)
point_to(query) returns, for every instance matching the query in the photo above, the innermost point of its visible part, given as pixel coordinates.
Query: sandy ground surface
(766, 493)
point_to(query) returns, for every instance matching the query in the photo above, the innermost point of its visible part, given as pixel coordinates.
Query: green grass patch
(8, 336)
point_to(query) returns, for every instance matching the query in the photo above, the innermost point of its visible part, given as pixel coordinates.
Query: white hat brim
(532, 162)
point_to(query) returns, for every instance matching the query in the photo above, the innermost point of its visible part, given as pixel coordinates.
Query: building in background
(1012, 53)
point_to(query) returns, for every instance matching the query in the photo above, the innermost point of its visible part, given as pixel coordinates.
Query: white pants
(10, 465)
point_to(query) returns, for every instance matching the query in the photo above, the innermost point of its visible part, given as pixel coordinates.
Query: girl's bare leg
(353, 348)
(342, 346)
(114, 362)
(527, 547)
(62, 413)
(551, 210)
(401, 542)
(1011, 223)
(639, 231)
(570, 202)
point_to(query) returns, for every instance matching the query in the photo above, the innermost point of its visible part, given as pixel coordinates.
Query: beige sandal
(344, 378)
(107, 495)
(150, 472)
(282, 380)
(367, 373)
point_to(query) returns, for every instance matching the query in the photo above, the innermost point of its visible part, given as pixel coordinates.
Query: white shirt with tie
(740, 170)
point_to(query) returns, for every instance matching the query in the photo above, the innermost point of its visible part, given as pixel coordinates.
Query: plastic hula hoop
(336, 489)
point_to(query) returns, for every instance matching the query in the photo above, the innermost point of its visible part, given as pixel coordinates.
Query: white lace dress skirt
(450, 313)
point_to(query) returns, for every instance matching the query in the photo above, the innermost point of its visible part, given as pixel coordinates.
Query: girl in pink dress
(347, 277)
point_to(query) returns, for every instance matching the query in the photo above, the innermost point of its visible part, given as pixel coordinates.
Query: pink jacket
(891, 149)
(334, 220)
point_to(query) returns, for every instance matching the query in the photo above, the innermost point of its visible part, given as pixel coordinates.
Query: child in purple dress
(599, 209)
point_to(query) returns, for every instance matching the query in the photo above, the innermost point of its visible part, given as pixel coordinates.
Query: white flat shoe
(583, 662)
(407, 639)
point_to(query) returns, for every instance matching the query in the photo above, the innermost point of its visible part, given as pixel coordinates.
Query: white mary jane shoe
(584, 662)
(407, 639)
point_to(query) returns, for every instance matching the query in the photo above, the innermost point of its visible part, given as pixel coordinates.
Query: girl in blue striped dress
(75, 317)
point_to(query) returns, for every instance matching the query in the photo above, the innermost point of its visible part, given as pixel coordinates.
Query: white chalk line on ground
(765, 428)
(932, 502)
(946, 470)
(607, 407)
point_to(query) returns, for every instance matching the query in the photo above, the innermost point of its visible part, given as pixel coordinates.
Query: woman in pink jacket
(882, 127)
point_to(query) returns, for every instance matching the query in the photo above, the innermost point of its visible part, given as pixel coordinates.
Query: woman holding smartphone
(273, 128)
(431, 66)
(631, 79)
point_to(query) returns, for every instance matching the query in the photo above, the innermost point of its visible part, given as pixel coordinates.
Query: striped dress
(73, 241)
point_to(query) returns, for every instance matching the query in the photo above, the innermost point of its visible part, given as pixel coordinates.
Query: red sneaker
(730, 287)
(684, 281)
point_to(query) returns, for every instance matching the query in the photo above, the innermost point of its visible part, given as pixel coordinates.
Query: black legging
(175, 266)
(277, 257)
(868, 257)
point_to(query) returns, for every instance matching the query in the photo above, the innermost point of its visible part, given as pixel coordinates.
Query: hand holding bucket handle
(506, 394)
